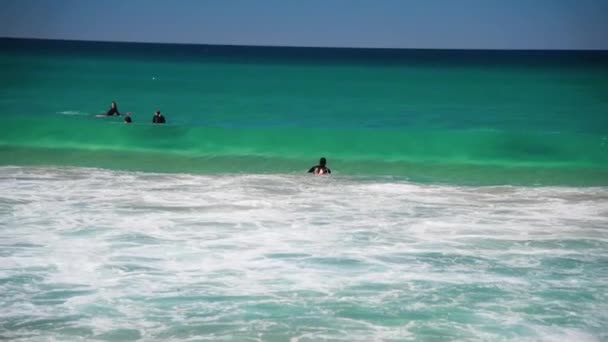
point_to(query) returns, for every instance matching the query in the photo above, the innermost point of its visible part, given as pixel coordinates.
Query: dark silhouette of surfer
(320, 169)
(158, 118)
(113, 110)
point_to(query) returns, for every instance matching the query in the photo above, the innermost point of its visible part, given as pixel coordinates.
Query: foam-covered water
(93, 254)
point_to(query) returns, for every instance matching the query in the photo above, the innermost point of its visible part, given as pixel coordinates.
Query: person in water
(128, 119)
(113, 110)
(158, 118)
(320, 169)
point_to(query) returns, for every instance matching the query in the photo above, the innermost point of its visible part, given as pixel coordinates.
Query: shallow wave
(455, 156)
(89, 253)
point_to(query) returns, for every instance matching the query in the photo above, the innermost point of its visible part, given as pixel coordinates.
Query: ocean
(468, 198)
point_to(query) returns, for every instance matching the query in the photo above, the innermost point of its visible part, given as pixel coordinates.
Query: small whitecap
(71, 112)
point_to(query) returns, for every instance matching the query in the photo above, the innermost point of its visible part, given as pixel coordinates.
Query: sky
(438, 24)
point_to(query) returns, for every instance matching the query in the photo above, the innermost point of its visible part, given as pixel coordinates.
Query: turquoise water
(458, 117)
(468, 199)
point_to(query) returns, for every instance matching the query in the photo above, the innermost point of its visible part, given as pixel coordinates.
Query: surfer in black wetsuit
(158, 118)
(128, 119)
(113, 110)
(320, 169)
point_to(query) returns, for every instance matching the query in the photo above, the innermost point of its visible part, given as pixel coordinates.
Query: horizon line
(298, 46)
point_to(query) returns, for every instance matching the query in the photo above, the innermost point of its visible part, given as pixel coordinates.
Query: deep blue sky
(450, 24)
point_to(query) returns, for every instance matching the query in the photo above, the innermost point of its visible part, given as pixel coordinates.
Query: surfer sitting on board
(113, 110)
(320, 169)
(158, 118)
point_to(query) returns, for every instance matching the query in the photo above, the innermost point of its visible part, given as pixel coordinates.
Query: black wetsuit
(112, 111)
(315, 169)
(158, 119)
(128, 119)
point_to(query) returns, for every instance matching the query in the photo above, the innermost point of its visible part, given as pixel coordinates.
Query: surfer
(113, 110)
(128, 119)
(320, 169)
(158, 118)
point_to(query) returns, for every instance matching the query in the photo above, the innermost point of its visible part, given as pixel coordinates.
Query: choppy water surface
(91, 254)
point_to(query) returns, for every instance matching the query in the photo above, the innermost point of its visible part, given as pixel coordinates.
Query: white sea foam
(72, 112)
(90, 253)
